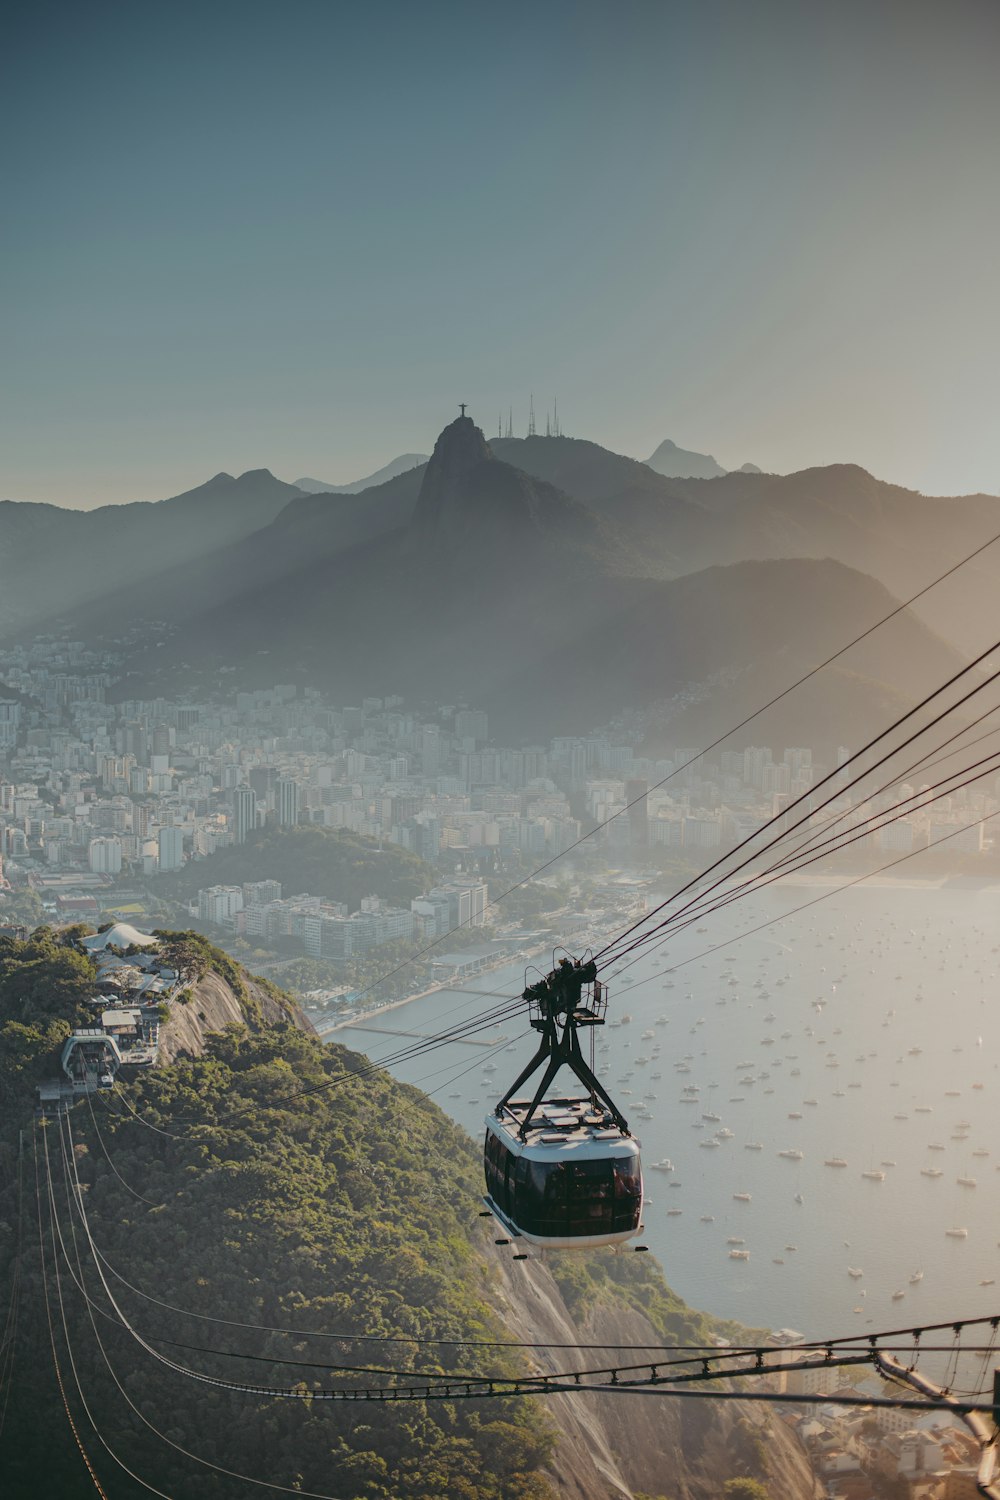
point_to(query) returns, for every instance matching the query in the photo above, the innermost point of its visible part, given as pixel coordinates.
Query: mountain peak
(450, 479)
(682, 463)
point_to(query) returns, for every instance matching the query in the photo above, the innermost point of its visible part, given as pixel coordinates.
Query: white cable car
(563, 1173)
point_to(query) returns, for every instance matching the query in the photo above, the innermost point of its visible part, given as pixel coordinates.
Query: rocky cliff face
(615, 1447)
(214, 1005)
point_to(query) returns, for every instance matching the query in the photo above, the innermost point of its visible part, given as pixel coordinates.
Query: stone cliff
(616, 1447)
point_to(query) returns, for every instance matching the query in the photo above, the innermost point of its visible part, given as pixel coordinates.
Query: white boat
(666, 1165)
(835, 1161)
(917, 1276)
(739, 1255)
(957, 1233)
(969, 1182)
(791, 1155)
(898, 1296)
(753, 1145)
(874, 1175)
(742, 1197)
(855, 1272)
(931, 1172)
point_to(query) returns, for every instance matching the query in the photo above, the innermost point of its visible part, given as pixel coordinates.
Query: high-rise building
(287, 802)
(244, 813)
(105, 856)
(170, 843)
(10, 718)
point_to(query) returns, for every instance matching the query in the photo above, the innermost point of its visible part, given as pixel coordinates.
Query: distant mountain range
(53, 560)
(388, 471)
(682, 463)
(549, 579)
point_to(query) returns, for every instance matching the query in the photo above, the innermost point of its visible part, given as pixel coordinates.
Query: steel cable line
(461, 1031)
(8, 1343)
(609, 948)
(735, 728)
(55, 1359)
(382, 1338)
(724, 900)
(696, 912)
(278, 1392)
(79, 1280)
(848, 1351)
(924, 763)
(110, 1161)
(771, 876)
(793, 911)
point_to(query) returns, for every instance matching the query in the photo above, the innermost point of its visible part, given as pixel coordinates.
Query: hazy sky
(295, 234)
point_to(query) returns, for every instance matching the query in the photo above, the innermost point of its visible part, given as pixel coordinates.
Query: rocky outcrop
(212, 1005)
(613, 1447)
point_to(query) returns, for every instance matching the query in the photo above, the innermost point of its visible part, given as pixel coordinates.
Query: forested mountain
(266, 1211)
(512, 573)
(333, 863)
(52, 560)
(504, 590)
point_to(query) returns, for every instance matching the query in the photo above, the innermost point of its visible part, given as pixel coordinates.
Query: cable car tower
(563, 1173)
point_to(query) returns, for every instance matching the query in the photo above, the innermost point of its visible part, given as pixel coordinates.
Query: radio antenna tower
(531, 415)
(510, 422)
(556, 430)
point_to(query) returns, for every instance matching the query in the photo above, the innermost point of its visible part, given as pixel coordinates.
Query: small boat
(931, 1172)
(742, 1197)
(753, 1145)
(666, 1165)
(835, 1161)
(739, 1255)
(874, 1175)
(898, 1296)
(791, 1155)
(957, 1233)
(734, 1239)
(917, 1276)
(799, 1198)
(672, 1213)
(855, 1272)
(708, 1218)
(969, 1182)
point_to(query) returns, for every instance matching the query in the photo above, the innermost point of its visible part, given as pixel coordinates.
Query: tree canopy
(332, 863)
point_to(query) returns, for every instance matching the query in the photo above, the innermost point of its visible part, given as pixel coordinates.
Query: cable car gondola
(563, 1173)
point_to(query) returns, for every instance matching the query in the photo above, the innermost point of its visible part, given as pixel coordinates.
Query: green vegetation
(44, 983)
(277, 1182)
(331, 863)
(744, 1489)
(351, 1210)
